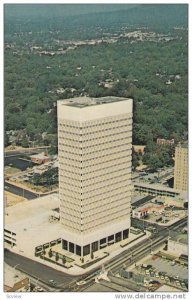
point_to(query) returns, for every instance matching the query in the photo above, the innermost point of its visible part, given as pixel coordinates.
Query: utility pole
(144, 225)
(151, 241)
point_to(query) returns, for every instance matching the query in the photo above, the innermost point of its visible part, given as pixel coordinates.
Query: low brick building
(165, 142)
(40, 158)
(143, 211)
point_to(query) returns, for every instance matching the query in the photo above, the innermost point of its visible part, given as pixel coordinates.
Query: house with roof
(146, 209)
(40, 158)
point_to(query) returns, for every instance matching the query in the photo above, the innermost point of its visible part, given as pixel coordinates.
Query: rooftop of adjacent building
(42, 155)
(82, 102)
(156, 186)
(183, 145)
(168, 288)
(181, 238)
(148, 206)
(11, 275)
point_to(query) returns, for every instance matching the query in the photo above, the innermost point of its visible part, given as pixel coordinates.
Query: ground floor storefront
(96, 245)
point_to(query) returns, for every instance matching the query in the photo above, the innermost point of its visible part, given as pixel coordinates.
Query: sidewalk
(75, 269)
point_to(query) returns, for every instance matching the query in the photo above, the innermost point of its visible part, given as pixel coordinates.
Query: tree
(25, 142)
(6, 140)
(30, 87)
(154, 162)
(31, 130)
(53, 150)
(50, 253)
(36, 179)
(135, 162)
(63, 259)
(57, 256)
(135, 159)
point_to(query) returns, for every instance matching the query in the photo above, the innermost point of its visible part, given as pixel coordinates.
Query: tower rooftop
(81, 102)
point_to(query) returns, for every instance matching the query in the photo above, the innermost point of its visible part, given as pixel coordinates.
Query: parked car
(183, 285)
(51, 281)
(82, 282)
(39, 289)
(154, 283)
(167, 278)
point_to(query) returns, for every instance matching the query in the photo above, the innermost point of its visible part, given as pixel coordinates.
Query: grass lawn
(11, 170)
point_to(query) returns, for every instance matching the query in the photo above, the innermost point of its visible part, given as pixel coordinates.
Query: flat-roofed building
(178, 246)
(181, 167)
(147, 209)
(95, 150)
(14, 280)
(40, 158)
(165, 142)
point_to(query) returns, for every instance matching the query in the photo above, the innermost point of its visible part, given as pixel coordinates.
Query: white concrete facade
(181, 168)
(177, 247)
(95, 150)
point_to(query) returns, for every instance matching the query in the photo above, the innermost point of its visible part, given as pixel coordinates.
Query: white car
(39, 289)
(82, 282)
(167, 278)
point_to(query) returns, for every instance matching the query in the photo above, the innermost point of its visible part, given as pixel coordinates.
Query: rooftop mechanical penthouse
(94, 147)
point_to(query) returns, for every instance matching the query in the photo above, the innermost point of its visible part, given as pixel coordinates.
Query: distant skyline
(69, 10)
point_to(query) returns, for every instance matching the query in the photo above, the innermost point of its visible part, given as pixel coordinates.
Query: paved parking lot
(166, 216)
(147, 176)
(163, 265)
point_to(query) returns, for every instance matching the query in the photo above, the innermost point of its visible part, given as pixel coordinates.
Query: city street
(38, 270)
(23, 192)
(20, 191)
(142, 224)
(44, 273)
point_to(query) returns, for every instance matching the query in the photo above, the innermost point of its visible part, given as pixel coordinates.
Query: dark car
(52, 282)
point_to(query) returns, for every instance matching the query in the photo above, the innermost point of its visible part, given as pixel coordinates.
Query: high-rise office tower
(181, 167)
(95, 150)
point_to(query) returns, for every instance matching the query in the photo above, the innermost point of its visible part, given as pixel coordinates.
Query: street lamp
(151, 242)
(168, 232)
(168, 236)
(143, 224)
(37, 281)
(131, 256)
